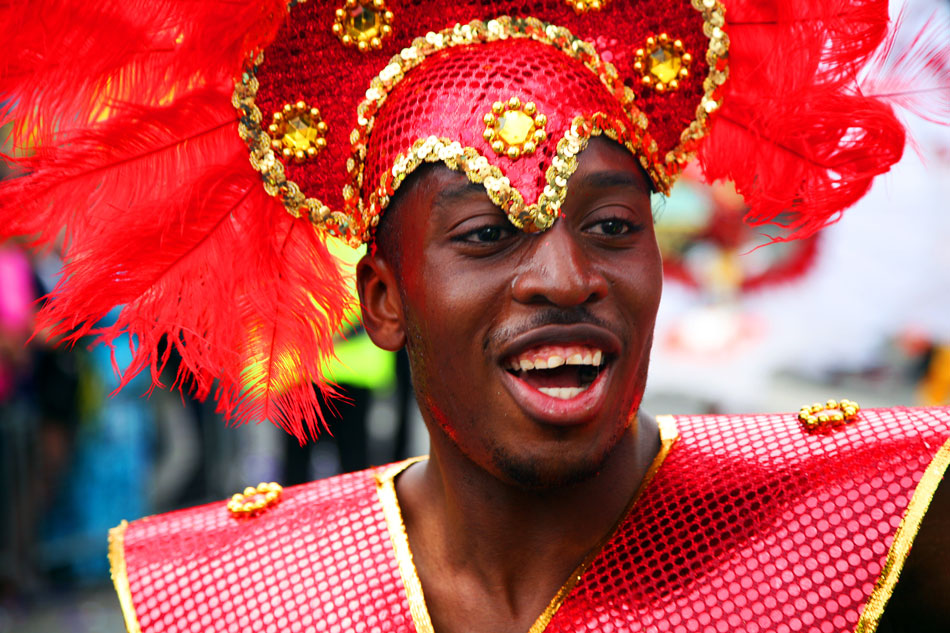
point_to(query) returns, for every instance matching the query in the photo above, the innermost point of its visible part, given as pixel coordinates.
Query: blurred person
(501, 170)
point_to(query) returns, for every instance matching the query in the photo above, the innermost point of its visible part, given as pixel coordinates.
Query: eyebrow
(451, 195)
(609, 179)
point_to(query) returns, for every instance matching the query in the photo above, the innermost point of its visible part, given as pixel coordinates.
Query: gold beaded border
(264, 160)
(832, 413)
(717, 55)
(468, 160)
(364, 45)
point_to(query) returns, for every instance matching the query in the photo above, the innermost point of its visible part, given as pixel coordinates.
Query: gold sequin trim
(668, 436)
(386, 489)
(265, 161)
(716, 58)
(903, 540)
(120, 577)
(530, 217)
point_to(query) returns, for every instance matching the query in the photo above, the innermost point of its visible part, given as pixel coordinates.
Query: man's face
(529, 351)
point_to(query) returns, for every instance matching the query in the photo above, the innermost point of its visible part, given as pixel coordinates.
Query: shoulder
(307, 556)
(871, 488)
(214, 525)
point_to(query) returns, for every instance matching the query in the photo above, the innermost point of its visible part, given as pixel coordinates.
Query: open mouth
(559, 371)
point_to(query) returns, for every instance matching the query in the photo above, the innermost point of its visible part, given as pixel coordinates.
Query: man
(472, 297)
(501, 169)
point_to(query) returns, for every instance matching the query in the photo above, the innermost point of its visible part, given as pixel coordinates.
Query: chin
(546, 472)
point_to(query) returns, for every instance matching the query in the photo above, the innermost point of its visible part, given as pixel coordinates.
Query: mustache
(549, 316)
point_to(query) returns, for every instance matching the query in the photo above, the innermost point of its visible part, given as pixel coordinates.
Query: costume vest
(750, 523)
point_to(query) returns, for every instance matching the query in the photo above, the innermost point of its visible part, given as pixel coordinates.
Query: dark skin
(515, 495)
(471, 291)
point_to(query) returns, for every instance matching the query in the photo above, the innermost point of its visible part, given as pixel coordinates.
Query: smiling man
(529, 354)
(499, 159)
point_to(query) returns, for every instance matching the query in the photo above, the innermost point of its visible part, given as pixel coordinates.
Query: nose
(556, 269)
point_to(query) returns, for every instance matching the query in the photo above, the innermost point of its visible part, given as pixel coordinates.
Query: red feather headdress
(196, 156)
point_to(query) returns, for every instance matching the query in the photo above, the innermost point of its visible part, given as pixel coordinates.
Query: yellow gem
(514, 127)
(300, 134)
(363, 23)
(665, 64)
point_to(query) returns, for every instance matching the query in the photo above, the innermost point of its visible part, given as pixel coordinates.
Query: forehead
(436, 190)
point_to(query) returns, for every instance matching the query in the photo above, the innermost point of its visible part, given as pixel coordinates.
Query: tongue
(559, 377)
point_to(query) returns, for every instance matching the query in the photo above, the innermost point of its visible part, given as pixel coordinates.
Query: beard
(537, 473)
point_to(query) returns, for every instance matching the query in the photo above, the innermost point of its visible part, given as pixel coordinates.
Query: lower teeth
(563, 393)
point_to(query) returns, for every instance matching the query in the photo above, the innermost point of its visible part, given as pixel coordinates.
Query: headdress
(199, 155)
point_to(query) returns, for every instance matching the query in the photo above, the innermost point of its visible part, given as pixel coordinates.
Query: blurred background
(860, 311)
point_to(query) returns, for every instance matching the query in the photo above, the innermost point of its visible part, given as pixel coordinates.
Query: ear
(380, 303)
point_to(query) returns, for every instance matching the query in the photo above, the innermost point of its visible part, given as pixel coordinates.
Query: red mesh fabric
(751, 524)
(449, 94)
(320, 560)
(306, 58)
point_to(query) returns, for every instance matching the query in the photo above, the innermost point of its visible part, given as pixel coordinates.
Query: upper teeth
(548, 357)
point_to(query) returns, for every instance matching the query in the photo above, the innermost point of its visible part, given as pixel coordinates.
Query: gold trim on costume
(386, 488)
(120, 576)
(668, 435)
(903, 540)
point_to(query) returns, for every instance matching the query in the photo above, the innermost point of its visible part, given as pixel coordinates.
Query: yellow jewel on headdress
(513, 129)
(583, 6)
(363, 23)
(662, 63)
(298, 132)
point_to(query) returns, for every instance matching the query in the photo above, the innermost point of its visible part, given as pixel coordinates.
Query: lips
(558, 371)
(558, 374)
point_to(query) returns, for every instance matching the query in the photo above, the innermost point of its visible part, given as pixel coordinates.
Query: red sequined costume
(750, 523)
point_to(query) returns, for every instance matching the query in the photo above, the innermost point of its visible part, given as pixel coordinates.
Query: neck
(463, 519)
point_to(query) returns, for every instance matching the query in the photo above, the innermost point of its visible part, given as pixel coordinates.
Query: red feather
(136, 154)
(912, 70)
(793, 134)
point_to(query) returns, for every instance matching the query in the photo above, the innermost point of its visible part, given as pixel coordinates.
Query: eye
(488, 234)
(613, 227)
